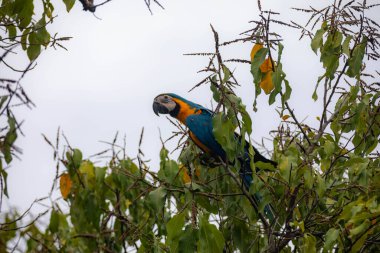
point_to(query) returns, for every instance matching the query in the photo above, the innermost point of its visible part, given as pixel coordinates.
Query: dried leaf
(285, 117)
(255, 49)
(65, 185)
(266, 66)
(186, 177)
(266, 83)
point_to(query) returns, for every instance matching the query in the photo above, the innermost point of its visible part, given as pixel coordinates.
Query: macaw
(198, 120)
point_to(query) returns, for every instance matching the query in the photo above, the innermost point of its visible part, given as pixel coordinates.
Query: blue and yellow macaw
(198, 119)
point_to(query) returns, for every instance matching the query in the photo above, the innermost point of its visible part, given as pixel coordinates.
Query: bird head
(164, 104)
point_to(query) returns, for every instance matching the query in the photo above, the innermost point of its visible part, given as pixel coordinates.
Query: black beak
(159, 109)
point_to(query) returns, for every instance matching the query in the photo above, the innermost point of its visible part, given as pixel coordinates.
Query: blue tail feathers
(246, 175)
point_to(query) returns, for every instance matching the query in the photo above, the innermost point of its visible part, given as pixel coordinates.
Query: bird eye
(166, 97)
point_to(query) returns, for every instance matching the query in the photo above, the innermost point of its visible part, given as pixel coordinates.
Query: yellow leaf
(266, 83)
(255, 49)
(266, 66)
(87, 167)
(285, 117)
(65, 185)
(186, 177)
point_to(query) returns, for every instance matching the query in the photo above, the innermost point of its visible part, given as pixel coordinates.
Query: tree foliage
(324, 191)
(24, 31)
(21, 30)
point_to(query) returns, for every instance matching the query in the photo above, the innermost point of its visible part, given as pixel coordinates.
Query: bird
(198, 120)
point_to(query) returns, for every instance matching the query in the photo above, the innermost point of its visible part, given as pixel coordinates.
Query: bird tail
(257, 197)
(268, 210)
(246, 175)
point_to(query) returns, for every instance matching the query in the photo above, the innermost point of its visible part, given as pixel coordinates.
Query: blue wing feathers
(201, 126)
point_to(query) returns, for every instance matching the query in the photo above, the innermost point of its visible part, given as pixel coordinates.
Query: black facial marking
(175, 112)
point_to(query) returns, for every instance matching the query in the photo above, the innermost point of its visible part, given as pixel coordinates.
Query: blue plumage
(201, 126)
(199, 121)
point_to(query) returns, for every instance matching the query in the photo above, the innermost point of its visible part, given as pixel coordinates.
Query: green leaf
(168, 171)
(223, 130)
(54, 221)
(24, 38)
(174, 229)
(100, 173)
(309, 180)
(212, 239)
(288, 91)
(9, 139)
(34, 48)
(156, 199)
(337, 40)
(12, 32)
(206, 203)
(321, 186)
(256, 63)
(315, 95)
(226, 74)
(330, 63)
(163, 154)
(359, 243)
(277, 77)
(24, 9)
(317, 41)
(85, 211)
(69, 4)
(280, 49)
(42, 35)
(265, 166)
(355, 61)
(309, 243)
(188, 240)
(329, 148)
(4, 175)
(359, 229)
(330, 53)
(168, 168)
(330, 239)
(77, 158)
(234, 102)
(346, 45)
(87, 168)
(2, 100)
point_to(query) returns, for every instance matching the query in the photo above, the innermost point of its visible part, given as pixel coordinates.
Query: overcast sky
(114, 67)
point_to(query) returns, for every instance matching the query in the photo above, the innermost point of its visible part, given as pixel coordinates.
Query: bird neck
(183, 110)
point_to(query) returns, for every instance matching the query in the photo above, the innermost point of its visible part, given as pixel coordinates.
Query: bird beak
(158, 108)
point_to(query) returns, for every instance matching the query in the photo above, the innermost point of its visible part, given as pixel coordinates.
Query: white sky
(114, 68)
